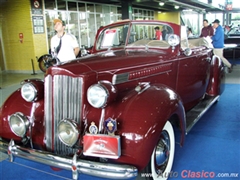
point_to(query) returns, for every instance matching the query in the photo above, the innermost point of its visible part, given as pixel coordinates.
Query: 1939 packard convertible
(115, 113)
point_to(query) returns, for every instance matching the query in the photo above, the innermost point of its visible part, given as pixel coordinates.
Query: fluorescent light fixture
(187, 10)
(176, 7)
(161, 3)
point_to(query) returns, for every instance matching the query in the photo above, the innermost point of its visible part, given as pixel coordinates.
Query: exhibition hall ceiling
(168, 5)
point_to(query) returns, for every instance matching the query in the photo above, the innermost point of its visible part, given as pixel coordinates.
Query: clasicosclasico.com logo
(189, 174)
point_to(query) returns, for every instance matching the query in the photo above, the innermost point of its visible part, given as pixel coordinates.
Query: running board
(198, 111)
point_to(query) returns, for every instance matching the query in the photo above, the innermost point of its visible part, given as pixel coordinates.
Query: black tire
(41, 63)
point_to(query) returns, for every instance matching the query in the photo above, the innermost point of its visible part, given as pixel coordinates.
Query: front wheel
(160, 165)
(43, 62)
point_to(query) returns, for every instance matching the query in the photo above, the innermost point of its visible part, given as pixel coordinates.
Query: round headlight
(97, 95)
(28, 92)
(68, 132)
(173, 40)
(18, 124)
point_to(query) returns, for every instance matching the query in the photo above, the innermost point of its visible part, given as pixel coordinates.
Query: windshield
(234, 31)
(135, 35)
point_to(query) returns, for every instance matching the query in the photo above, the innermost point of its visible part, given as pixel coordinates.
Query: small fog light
(18, 124)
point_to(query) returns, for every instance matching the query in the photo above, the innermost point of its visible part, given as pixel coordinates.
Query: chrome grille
(63, 98)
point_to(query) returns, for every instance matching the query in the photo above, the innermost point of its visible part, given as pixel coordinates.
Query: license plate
(99, 145)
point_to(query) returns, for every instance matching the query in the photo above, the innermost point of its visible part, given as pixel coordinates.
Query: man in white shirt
(64, 46)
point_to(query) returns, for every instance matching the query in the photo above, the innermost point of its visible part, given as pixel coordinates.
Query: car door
(193, 76)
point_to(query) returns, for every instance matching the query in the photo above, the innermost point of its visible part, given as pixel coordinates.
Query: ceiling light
(161, 3)
(176, 7)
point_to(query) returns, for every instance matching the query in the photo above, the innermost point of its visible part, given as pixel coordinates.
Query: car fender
(32, 110)
(217, 76)
(141, 117)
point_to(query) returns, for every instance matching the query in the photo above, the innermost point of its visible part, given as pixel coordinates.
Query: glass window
(114, 18)
(72, 26)
(99, 20)
(113, 10)
(92, 29)
(83, 19)
(81, 7)
(50, 4)
(50, 16)
(61, 5)
(119, 10)
(106, 9)
(83, 29)
(191, 20)
(235, 19)
(98, 8)
(90, 7)
(107, 18)
(211, 17)
(72, 6)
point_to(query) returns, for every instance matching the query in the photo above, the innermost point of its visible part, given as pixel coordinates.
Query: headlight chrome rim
(68, 132)
(29, 92)
(97, 95)
(18, 124)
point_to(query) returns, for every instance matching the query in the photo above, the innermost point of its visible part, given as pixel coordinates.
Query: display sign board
(110, 38)
(38, 24)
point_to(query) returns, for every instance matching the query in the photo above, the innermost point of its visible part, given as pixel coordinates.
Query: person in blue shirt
(218, 43)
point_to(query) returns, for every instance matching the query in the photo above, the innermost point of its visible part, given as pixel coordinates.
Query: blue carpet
(213, 145)
(234, 61)
(212, 148)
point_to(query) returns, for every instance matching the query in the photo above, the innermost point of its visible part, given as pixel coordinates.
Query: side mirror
(187, 52)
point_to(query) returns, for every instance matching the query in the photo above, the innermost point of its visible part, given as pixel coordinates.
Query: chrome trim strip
(120, 78)
(104, 170)
(141, 73)
(48, 111)
(101, 122)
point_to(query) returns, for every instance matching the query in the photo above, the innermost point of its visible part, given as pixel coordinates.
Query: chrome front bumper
(104, 170)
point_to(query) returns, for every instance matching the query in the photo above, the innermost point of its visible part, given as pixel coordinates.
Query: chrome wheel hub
(162, 152)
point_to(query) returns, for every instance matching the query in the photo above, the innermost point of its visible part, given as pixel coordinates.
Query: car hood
(115, 60)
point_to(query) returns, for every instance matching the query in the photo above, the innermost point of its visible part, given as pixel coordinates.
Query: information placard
(38, 24)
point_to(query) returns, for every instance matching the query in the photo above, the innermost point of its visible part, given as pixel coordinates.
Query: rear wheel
(160, 165)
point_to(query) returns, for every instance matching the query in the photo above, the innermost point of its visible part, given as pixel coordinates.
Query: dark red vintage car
(115, 112)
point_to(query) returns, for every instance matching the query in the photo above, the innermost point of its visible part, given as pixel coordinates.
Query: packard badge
(111, 126)
(93, 128)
